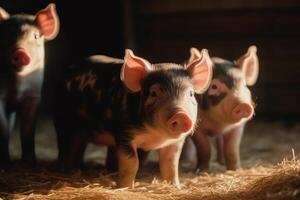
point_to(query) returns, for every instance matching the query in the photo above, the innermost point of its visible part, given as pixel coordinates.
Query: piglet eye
(214, 87)
(153, 94)
(191, 93)
(37, 36)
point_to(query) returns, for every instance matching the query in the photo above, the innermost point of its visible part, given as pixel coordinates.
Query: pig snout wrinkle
(243, 110)
(180, 123)
(20, 58)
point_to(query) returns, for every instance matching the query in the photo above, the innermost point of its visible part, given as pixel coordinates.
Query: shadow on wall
(165, 30)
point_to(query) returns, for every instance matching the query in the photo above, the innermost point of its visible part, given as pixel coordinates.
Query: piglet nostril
(238, 111)
(174, 124)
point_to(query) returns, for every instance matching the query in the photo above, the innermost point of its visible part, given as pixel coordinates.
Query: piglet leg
(28, 122)
(4, 137)
(111, 162)
(203, 150)
(128, 164)
(169, 161)
(188, 156)
(220, 148)
(232, 141)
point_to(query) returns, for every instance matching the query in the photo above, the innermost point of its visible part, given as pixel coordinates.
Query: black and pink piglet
(225, 108)
(130, 104)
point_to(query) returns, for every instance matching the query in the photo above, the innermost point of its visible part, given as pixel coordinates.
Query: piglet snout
(180, 122)
(243, 110)
(20, 58)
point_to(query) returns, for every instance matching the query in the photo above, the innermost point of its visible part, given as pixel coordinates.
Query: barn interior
(165, 30)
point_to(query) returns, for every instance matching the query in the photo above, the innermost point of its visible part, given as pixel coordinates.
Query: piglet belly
(151, 142)
(103, 138)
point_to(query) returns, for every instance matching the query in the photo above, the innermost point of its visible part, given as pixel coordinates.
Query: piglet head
(168, 105)
(23, 38)
(249, 65)
(199, 70)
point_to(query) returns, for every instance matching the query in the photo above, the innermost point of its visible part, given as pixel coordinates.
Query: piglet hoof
(178, 186)
(201, 170)
(221, 161)
(187, 166)
(174, 183)
(124, 184)
(233, 167)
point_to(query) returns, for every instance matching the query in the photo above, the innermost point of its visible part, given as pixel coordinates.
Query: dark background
(164, 30)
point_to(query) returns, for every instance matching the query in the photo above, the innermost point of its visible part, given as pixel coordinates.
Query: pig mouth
(20, 58)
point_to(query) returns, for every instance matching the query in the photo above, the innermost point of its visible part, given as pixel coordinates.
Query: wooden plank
(180, 6)
(165, 34)
(239, 23)
(177, 48)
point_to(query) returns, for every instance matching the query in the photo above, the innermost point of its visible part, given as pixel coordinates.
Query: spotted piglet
(130, 104)
(225, 108)
(22, 40)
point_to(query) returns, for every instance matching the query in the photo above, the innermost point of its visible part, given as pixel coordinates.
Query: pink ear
(194, 54)
(3, 15)
(200, 70)
(48, 22)
(134, 71)
(248, 63)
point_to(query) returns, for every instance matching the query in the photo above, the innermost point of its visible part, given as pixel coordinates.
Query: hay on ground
(279, 182)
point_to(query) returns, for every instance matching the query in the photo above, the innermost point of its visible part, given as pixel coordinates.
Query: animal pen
(165, 30)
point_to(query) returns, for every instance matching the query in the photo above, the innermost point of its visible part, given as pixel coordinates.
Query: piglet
(129, 104)
(22, 39)
(225, 108)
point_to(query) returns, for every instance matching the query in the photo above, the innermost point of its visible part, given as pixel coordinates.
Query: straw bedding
(269, 154)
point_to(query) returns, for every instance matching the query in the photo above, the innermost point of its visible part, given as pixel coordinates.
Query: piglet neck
(211, 123)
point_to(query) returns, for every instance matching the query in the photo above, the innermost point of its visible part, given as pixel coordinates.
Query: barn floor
(269, 152)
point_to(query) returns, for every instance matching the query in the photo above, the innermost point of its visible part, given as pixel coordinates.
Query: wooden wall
(164, 30)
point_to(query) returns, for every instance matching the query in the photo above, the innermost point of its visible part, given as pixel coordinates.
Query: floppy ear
(200, 69)
(249, 64)
(134, 71)
(3, 14)
(48, 22)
